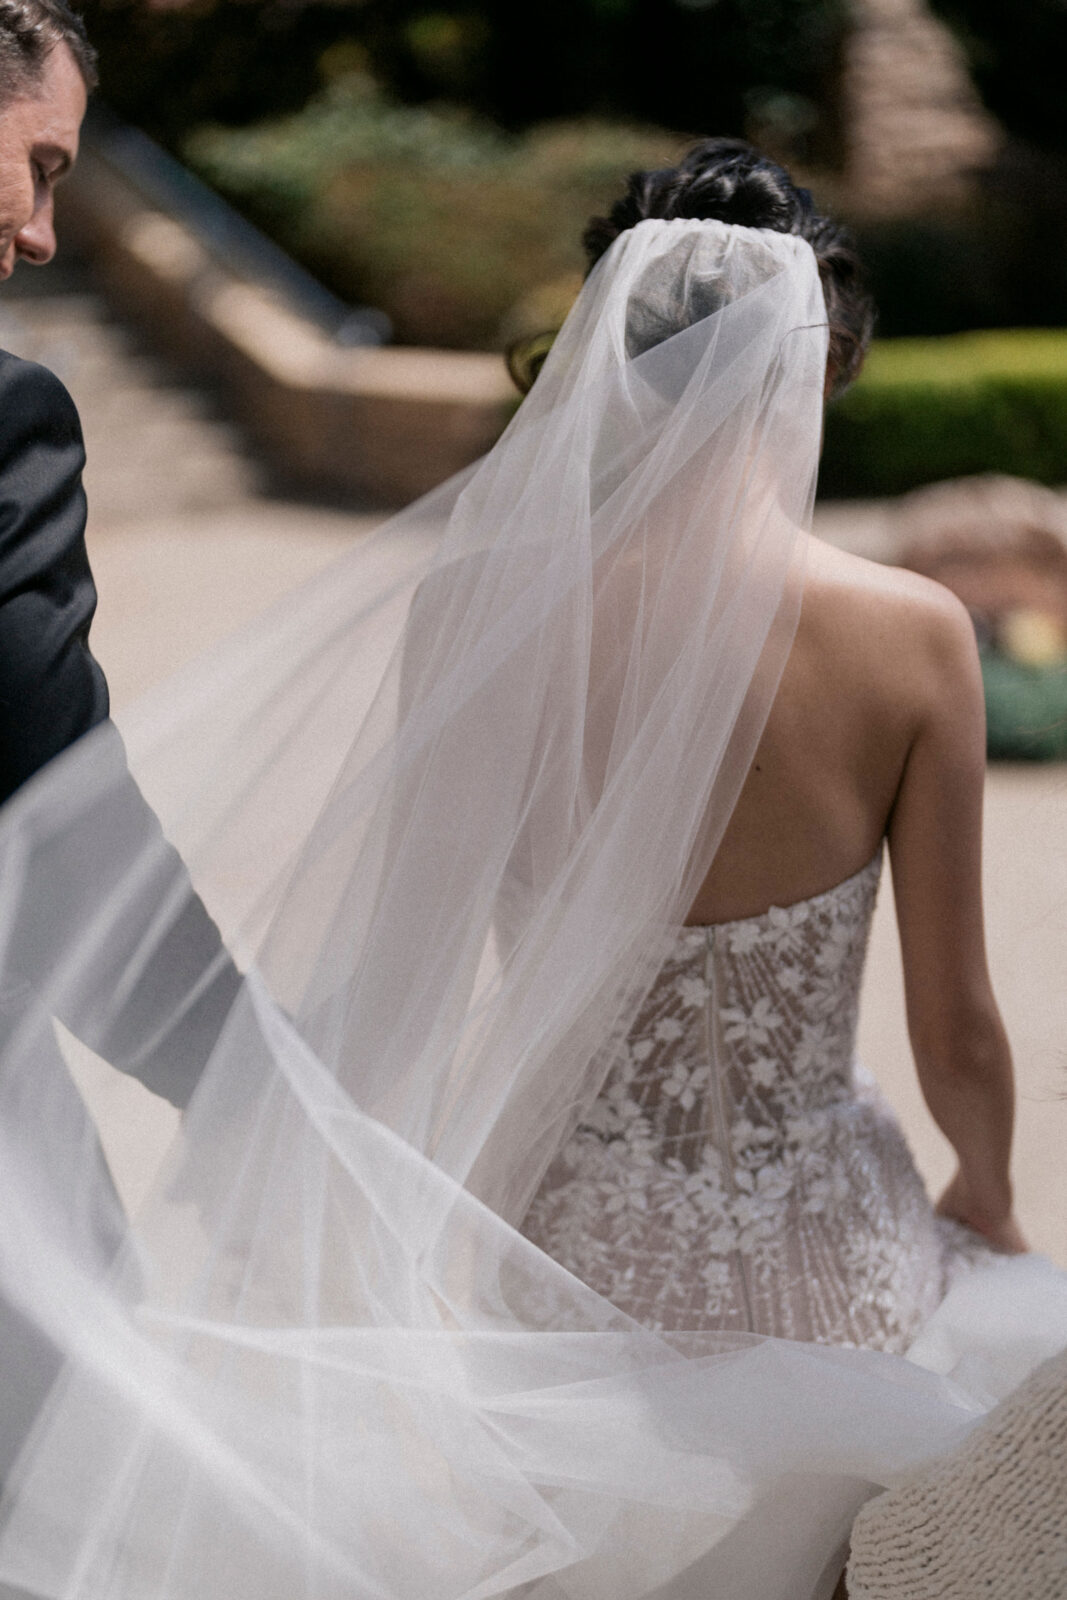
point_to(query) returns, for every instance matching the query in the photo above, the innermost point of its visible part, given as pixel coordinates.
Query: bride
(532, 1230)
(735, 1172)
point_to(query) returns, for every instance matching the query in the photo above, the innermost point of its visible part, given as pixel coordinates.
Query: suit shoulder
(32, 395)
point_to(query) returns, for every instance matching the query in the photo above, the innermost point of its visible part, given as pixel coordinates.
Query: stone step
(155, 444)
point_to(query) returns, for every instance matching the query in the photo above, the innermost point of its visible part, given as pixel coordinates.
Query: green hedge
(927, 409)
(1026, 710)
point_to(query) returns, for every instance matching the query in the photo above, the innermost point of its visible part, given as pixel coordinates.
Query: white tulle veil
(445, 807)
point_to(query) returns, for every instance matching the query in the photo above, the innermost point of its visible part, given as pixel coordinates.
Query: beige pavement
(170, 586)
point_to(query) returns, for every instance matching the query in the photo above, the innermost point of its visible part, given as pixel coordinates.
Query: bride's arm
(935, 839)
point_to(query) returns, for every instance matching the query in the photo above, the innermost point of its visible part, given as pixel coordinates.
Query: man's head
(47, 68)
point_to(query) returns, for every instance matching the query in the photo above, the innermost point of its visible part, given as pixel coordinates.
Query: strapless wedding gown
(740, 1170)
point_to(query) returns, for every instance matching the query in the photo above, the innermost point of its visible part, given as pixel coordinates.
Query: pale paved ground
(185, 550)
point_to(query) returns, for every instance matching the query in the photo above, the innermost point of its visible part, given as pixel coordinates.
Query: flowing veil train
(446, 806)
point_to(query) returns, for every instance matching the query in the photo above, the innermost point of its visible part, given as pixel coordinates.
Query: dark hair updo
(729, 181)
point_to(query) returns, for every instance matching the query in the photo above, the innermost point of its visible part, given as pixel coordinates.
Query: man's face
(38, 143)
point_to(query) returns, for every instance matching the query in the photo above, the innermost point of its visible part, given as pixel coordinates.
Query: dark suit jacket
(51, 689)
(51, 693)
(159, 948)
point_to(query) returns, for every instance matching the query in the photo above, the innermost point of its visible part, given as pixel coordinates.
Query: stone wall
(383, 425)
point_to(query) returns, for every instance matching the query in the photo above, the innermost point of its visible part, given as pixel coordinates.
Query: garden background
(439, 162)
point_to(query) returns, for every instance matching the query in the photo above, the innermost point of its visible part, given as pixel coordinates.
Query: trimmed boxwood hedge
(927, 409)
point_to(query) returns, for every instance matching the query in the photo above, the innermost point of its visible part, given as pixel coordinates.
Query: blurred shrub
(167, 65)
(711, 66)
(462, 233)
(1017, 56)
(1026, 709)
(926, 409)
(768, 68)
(714, 66)
(913, 264)
(996, 264)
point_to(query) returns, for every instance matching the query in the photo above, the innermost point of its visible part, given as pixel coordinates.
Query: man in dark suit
(52, 692)
(51, 689)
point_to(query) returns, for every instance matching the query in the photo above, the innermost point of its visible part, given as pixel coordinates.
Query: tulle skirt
(502, 1430)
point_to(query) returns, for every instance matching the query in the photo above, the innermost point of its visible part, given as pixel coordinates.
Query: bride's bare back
(879, 714)
(878, 732)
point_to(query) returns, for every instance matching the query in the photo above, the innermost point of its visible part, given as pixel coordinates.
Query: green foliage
(1026, 710)
(766, 68)
(1012, 278)
(462, 233)
(166, 67)
(926, 409)
(711, 66)
(1017, 55)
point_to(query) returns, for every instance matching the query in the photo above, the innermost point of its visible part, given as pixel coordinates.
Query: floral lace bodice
(738, 1170)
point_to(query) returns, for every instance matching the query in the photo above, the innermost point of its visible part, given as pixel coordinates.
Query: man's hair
(29, 31)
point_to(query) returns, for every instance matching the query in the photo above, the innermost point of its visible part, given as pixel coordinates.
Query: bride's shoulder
(895, 638)
(851, 594)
